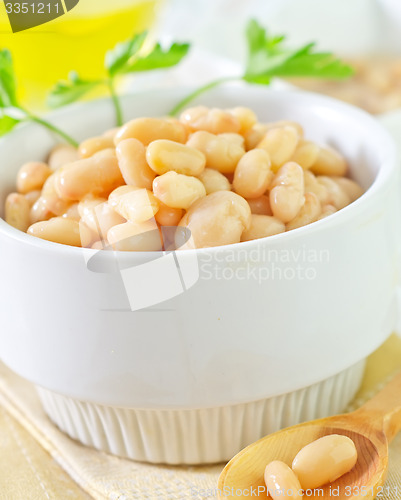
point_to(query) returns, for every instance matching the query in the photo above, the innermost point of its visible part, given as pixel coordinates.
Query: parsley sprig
(268, 57)
(132, 56)
(11, 111)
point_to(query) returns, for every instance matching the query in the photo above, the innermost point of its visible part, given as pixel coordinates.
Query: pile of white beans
(321, 462)
(220, 173)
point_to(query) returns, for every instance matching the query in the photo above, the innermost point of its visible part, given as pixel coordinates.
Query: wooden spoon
(371, 428)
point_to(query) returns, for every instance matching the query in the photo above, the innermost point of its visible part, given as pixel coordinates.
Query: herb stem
(51, 127)
(116, 102)
(196, 93)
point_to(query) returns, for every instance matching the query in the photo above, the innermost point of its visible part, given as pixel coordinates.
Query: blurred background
(365, 32)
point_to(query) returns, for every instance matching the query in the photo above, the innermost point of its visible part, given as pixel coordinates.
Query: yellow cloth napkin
(28, 472)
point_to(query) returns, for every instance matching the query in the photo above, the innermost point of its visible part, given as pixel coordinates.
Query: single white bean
(62, 154)
(287, 193)
(214, 120)
(217, 219)
(97, 175)
(253, 174)
(329, 162)
(222, 152)
(136, 206)
(93, 145)
(148, 130)
(214, 181)
(131, 155)
(309, 212)
(144, 237)
(31, 176)
(260, 206)
(177, 190)
(337, 196)
(60, 230)
(281, 144)
(17, 211)
(281, 482)
(262, 226)
(324, 460)
(163, 156)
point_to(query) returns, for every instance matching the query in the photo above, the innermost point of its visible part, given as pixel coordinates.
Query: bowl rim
(386, 169)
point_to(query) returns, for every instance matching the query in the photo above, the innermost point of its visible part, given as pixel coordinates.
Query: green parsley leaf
(259, 41)
(267, 58)
(7, 80)
(126, 57)
(305, 63)
(65, 92)
(117, 58)
(6, 123)
(11, 112)
(158, 58)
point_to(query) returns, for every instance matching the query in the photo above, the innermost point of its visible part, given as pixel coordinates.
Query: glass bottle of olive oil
(76, 40)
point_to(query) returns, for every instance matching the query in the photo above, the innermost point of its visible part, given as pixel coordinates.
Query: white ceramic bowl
(255, 336)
